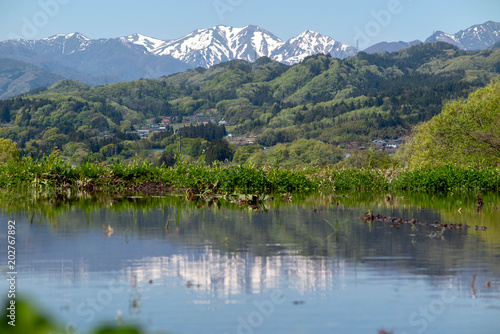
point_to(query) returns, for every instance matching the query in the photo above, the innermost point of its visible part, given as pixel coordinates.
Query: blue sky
(368, 21)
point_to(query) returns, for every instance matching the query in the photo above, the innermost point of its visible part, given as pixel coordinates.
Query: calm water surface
(309, 266)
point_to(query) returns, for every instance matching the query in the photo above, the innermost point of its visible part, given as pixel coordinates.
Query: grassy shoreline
(53, 174)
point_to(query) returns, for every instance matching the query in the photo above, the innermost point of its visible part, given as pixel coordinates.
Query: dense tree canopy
(465, 133)
(8, 150)
(302, 152)
(218, 150)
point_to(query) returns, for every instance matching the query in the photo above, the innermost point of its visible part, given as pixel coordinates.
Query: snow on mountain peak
(221, 43)
(76, 35)
(479, 36)
(63, 43)
(150, 43)
(210, 46)
(310, 43)
(440, 36)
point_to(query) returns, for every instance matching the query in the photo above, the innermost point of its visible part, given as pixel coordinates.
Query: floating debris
(253, 201)
(396, 222)
(367, 217)
(383, 331)
(479, 200)
(119, 317)
(108, 230)
(190, 284)
(190, 194)
(473, 280)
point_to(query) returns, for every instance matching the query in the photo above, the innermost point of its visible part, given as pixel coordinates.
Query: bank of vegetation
(53, 175)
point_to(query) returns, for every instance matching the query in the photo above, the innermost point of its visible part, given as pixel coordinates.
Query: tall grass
(52, 173)
(352, 179)
(447, 178)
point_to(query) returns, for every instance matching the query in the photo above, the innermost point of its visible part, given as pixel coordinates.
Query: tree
(8, 150)
(465, 133)
(100, 123)
(167, 158)
(4, 114)
(218, 151)
(242, 154)
(301, 152)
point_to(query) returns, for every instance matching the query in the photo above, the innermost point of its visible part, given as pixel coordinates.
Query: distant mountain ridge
(103, 61)
(17, 77)
(310, 43)
(477, 37)
(480, 36)
(211, 46)
(94, 62)
(390, 46)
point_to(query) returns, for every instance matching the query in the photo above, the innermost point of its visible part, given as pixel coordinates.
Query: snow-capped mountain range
(207, 47)
(310, 43)
(477, 37)
(101, 61)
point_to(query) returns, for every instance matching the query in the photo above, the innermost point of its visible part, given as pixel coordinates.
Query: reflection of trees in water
(228, 248)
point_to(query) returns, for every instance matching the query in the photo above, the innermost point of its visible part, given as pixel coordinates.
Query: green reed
(51, 174)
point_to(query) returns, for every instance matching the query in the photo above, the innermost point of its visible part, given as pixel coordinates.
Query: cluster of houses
(195, 119)
(199, 118)
(388, 145)
(152, 127)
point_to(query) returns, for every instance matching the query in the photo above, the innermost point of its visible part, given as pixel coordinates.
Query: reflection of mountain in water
(226, 274)
(227, 251)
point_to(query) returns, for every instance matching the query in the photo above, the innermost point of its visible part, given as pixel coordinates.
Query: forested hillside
(466, 133)
(334, 101)
(17, 77)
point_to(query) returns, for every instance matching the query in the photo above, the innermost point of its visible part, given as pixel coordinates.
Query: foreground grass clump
(353, 179)
(448, 177)
(30, 320)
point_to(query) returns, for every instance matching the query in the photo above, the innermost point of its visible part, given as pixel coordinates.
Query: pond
(305, 265)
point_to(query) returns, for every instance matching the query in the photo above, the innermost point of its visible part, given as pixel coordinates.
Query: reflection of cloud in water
(224, 274)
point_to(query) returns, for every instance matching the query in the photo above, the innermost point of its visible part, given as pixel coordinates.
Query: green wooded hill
(17, 77)
(334, 101)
